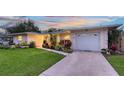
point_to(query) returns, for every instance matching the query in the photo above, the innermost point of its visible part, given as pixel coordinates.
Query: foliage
(12, 46)
(68, 50)
(113, 37)
(66, 43)
(27, 26)
(52, 29)
(17, 45)
(45, 44)
(53, 41)
(32, 44)
(23, 43)
(4, 47)
(52, 38)
(59, 47)
(114, 47)
(1, 47)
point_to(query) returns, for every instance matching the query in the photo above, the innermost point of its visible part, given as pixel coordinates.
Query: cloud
(68, 21)
(11, 20)
(46, 22)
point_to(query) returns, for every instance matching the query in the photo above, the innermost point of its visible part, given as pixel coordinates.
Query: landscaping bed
(26, 62)
(63, 45)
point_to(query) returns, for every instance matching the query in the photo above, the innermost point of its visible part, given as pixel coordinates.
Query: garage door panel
(88, 41)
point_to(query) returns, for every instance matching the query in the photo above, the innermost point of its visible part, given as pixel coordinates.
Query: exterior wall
(37, 38)
(65, 36)
(103, 37)
(17, 41)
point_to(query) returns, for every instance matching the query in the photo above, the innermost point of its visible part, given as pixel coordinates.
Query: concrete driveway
(82, 64)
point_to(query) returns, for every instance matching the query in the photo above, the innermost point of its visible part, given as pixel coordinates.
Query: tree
(114, 37)
(53, 37)
(26, 26)
(52, 29)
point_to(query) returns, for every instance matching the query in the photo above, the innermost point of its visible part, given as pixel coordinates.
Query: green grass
(26, 62)
(117, 61)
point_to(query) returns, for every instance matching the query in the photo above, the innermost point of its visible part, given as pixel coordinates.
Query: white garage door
(88, 41)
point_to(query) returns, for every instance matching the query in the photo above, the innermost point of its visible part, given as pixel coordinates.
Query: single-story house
(92, 38)
(4, 38)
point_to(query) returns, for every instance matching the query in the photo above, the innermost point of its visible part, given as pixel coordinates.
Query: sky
(46, 22)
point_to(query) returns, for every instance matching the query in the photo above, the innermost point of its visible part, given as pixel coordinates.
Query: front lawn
(117, 61)
(26, 62)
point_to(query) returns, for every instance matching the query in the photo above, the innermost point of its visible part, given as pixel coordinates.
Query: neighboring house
(3, 31)
(85, 38)
(3, 36)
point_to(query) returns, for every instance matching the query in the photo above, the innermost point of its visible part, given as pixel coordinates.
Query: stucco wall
(103, 39)
(37, 38)
(65, 36)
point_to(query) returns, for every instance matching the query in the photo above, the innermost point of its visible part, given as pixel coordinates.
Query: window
(19, 38)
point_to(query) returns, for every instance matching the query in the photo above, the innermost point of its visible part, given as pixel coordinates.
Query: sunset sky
(45, 22)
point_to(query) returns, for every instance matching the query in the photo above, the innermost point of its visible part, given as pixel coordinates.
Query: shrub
(61, 42)
(66, 43)
(114, 47)
(17, 45)
(4, 47)
(59, 47)
(24, 44)
(52, 41)
(68, 50)
(45, 44)
(32, 44)
(13, 46)
(1, 47)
